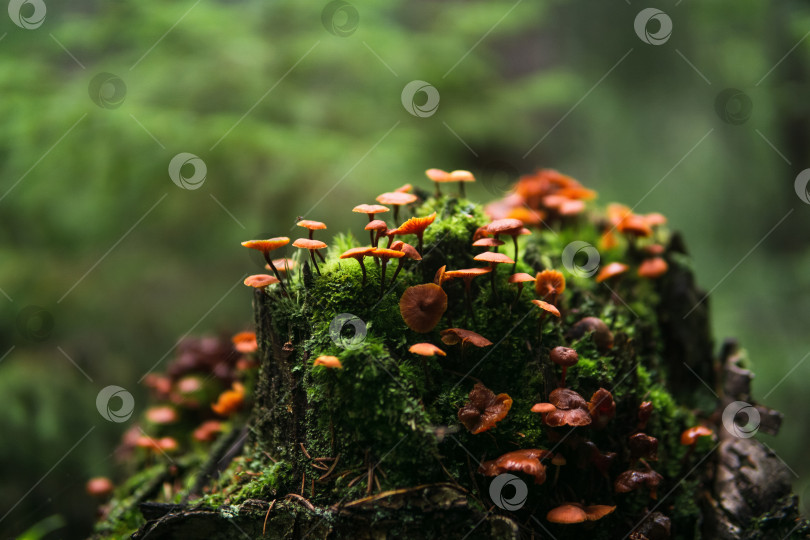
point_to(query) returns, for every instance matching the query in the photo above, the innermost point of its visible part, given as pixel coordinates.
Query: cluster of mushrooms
(539, 200)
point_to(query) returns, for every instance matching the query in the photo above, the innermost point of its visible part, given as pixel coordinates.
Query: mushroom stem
(517, 296)
(461, 190)
(321, 257)
(274, 269)
(396, 272)
(396, 215)
(384, 263)
(562, 382)
(419, 236)
(363, 268)
(515, 241)
(492, 281)
(314, 262)
(438, 191)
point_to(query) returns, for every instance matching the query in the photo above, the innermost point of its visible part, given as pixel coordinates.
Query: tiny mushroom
(483, 409)
(462, 177)
(519, 279)
(488, 243)
(410, 253)
(644, 412)
(602, 408)
(245, 342)
(370, 210)
(643, 446)
(426, 349)
(311, 246)
(100, 487)
(653, 268)
(266, 246)
(162, 415)
(602, 336)
(558, 461)
(549, 285)
(690, 436)
(230, 401)
(509, 226)
(312, 226)
(564, 357)
(632, 480)
(565, 408)
(527, 461)
(454, 336)
(422, 306)
(384, 255)
(610, 271)
(570, 513)
(357, 254)
(260, 281)
(397, 199)
(380, 227)
(416, 226)
(467, 275)
(208, 431)
(493, 258)
(283, 264)
(547, 308)
(331, 362)
(438, 176)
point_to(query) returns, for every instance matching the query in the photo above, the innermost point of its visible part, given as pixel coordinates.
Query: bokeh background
(296, 109)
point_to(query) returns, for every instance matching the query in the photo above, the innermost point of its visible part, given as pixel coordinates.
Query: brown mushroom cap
(311, 225)
(521, 277)
(331, 362)
(644, 446)
(259, 281)
(426, 349)
(397, 198)
(653, 268)
(565, 398)
(410, 252)
(508, 226)
(484, 409)
(466, 273)
(267, 245)
(549, 284)
(387, 253)
(422, 306)
(439, 278)
(545, 306)
(602, 407)
(632, 480)
(691, 435)
(488, 242)
(99, 486)
(494, 258)
(598, 511)
(602, 335)
(564, 356)
(567, 514)
(569, 409)
(376, 225)
(526, 461)
(370, 209)
(356, 253)
(543, 408)
(415, 225)
(453, 336)
(306, 243)
(610, 271)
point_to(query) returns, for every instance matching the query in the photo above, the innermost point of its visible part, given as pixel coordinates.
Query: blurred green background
(296, 109)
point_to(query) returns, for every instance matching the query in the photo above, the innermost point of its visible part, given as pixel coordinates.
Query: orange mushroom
(311, 246)
(162, 415)
(422, 306)
(245, 342)
(426, 349)
(488, 243)
(377, 225)
(462, 177)
(549, 308)
(527, 461)
(311, 226)
(567, 514)
(260, 281)
(208, 431)
(602, 408)
(483, 409)
(493, 258)
(397, 199)
(549, 285)
(438, 176)
(370, 210)
(690, 436)
(100, 487)
(405, 188)
(565, 408)
(283, 264)
(266, 246)
(331, 362)
(415, 225)
(519, 279)
(509, 226)
(454, 336)
(357, 254)
(410, 253)
(653, 268)
(467, 275)
(610, 271)
(384, 255)
(230, 401)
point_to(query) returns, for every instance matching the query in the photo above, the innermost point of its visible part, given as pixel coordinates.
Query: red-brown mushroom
(564, 357)
(602, 336)
(549, 285)
(527, 461)
(643, 446)
(610, 271)
(331, 362)
(519, 279)
(483, 409)
(653, 268)
(384, 255)
(416, 226)
(493, 258)
(410, 253)
(508, 226)
(565, 408)
(260, 281)
(602, 408)
(422, 306)
(632, 480)
(467, 275)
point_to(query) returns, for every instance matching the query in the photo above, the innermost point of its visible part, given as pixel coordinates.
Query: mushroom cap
(386, 254)
(356, 253)
(543, 408)
(422, 306)
(521, 277)
(453, 336)
(654, 249)
(100, 486)
(644, 446)
(229, 401)
(564, 356)
(483, 409)
(409, 251)
(559, 460)
(162, 414)
(653, 268)
(567, 514)
(397, 245)
(426, 349)
(311, 225)
(306, 243)
(267, 245)
(549, 283)
(505, 226)
(415, 225)
(654, 219)
(601, 406)
(571, 207)
(462, 176)
(260, 280)
(397, 198)
(598, 511)
(488, 242)
(602, 335)
(405, 188)
(551, 308)
(631, 480)
(565, 398)
(569, 409)
(438, 175)
(245, 342)
(611, 270)
(332, 362)
(439, 278)
(467, 274)
(568, 417)
(690, 435)
(526, 461)
(370, 209)
(207, 431)
(634, 225)
(376, 225)
(529, 216)
(283, 264)
(493, 258)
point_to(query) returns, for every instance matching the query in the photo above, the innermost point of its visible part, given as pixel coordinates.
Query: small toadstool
(422, 306)
(483, 409)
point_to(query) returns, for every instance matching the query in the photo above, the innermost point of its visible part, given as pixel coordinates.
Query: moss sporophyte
(363, 393)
